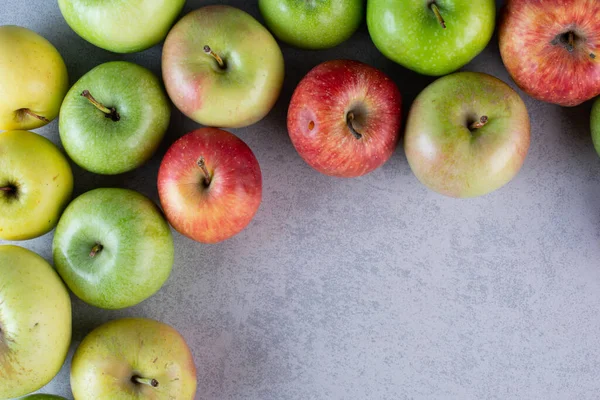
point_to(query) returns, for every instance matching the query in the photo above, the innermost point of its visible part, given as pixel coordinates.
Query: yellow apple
(36, 183)
(35, 322)
(33, 79)
(133, 359)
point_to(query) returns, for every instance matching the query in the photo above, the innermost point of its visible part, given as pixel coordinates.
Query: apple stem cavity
(26, 111)
(479, 124)
(214, 55)
(95, 250)
(350, 122)
(436, 10)
(108, 112)
(145, 381)
(202, 164)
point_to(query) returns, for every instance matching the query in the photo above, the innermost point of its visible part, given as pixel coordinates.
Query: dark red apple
(210, 185)
(551, 48)
(344, 118)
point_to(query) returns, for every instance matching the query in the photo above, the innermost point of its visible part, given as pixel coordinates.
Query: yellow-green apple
(133, 359)
(344, 118)
(113, 248)
(36, 183)
(551, 48)
(467, 134)
(222, 68)
(43, 397)
(431, 37)
(34, 79)
(312, 24)
(121, 26)
(595, 124)
(114, 118)
(210, 185)
(35, 322)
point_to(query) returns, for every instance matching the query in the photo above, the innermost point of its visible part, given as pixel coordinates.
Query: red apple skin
(317, 118)
(224, 208)
(539, 62)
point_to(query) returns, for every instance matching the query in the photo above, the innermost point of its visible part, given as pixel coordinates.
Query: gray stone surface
(376, 288)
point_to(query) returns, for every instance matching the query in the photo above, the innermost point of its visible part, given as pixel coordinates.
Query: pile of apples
(467, 134)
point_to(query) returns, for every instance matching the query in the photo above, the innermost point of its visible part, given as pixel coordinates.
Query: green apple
(36, 184)
(222, 68)
(133, 359)
(43, 397)
(35, 322)
(113, 248)
(431, 37)
(114, 118)
(595, 122)
(34, 79)
(121, 26)
(316, 24)
(467, 134)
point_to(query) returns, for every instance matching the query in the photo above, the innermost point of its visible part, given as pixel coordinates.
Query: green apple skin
(121, 26)
(102, 145)
(35, 322)
(312, 25)
(34, 78)
(240, 94)
(595, 122)
(454, 160)
(136, 253)
(109, 358)
(408, 32)
(43, 397)
(39, 182)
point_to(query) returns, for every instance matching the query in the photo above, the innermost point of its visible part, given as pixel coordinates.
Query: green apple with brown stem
(133, 359)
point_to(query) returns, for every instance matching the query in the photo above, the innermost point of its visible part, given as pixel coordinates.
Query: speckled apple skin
(35, 322)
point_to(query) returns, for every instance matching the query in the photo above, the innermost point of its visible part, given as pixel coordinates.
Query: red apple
(344, 118)
(551, 48)
(210, 185)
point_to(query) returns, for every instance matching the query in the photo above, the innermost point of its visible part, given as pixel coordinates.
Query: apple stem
(145, 381)
(27, 111)
(109, 112)
(434, 7)
(214, 55)
(202, 164)
(571, 43)
(7, 189)
(350, 122)
(479, 124)
(95, 250)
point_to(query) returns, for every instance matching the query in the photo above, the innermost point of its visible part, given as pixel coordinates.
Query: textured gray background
(375, 288)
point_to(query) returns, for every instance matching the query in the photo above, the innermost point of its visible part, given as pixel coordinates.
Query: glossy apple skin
(408, 32)
(224, 208)
(137, 255)
(449, 158)
(34, 76)
(35, 322)
(539, 62)
(121, 26)
(312, 24)
(317, 118)
(595, 125)
(101, 145)
(108, 358)
(43, 182)
(241, 94)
